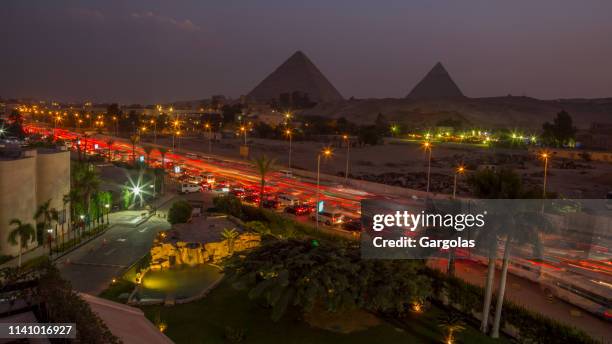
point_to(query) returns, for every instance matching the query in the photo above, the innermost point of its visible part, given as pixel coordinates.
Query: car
(208, 177)
(288, 200)
(270, 204)
(238, 193)
(353, 225)
(253, 199)
(299, 209)
(329, 217)
(190, 188)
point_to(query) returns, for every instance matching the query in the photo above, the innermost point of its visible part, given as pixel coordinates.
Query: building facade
(29, 178)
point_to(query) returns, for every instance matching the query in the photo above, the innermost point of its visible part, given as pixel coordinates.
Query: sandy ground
(406, 164)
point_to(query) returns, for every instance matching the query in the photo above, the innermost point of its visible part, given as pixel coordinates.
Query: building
(28, 178)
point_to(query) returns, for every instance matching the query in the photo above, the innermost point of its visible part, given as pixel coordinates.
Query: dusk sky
(159, 51)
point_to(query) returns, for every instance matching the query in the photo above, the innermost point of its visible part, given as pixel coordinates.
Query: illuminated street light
(459, 170)
(208, 127)
(348, 152)
(545, 156)
(427, 146)
(243, 129)
(289, 134)
(326, 152)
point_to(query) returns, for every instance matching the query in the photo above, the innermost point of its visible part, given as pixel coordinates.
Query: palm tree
(109, 145)
(230, 235)
(66, 199)
(451, 323)
(21, 235)
(86, 183)
(524, 225)
(263, 166)
(44, 211)
(148, 150)
(492, 185)
(162, 151)
(134, 139)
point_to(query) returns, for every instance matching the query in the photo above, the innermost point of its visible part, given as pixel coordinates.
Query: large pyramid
(436, 84)
(298, 73)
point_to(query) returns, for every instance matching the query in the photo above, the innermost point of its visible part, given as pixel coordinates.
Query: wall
(26, 183)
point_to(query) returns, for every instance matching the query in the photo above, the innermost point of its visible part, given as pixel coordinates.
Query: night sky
(159, 51)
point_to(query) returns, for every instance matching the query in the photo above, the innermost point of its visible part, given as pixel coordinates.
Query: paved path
(91, 267)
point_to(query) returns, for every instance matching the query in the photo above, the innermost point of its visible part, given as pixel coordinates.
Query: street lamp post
(459, 170)
(154, 122)
(243, 129)
(348, 153)
(107, 206)
(325, 153)
(427, 147)
(116, 125)
(545, 156)
(288, 132)
(209, 127)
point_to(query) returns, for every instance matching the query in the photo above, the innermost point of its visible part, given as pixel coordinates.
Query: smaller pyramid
(297, 73)
(436, 84)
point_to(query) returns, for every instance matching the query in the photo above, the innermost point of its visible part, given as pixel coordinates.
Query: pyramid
(298, 73)
(436, 84)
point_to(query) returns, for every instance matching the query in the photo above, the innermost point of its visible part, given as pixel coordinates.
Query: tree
(561, 131)
(180, 212)
(451, 323)
(507, 221)
(263, 166)
(306, 273)
(148, 150)
(109, 145)
(20, 235)
(163, 151)
(523, 225)
(85, 183)
(47, 214)
(15, 125)
(490, 184)
(134, 139)
(230, 235)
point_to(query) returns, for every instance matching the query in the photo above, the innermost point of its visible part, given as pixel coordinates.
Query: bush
(228, 204)
(180, 212)
(234, 335)
(65, 306)
(532, 327)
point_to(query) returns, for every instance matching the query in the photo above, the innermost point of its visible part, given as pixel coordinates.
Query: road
(91, 267)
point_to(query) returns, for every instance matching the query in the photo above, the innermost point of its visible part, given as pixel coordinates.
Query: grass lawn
(204, 321)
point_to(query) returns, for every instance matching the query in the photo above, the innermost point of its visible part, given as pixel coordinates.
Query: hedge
(532, 327)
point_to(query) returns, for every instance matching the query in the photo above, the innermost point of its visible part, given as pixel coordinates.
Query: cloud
(185, 25)
(86, 14)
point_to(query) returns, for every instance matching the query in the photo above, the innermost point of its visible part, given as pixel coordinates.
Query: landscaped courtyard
(226, 311)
